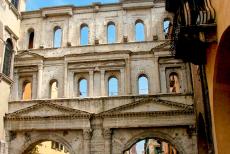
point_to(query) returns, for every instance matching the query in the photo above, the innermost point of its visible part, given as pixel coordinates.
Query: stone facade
(98, 123)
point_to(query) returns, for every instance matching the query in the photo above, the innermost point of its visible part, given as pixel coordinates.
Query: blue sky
(36, 4)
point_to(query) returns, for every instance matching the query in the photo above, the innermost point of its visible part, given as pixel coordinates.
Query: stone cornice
(146, 114)
(5, 78)
(146, 100)
(103, 98)
(64, 117)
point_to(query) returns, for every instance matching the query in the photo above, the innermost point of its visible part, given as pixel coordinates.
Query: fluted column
(102, 82)
(87, 134)
(156, 77)
(40, 72)
(91, 82)
(108, 140)
(65, 79)
(16, 89)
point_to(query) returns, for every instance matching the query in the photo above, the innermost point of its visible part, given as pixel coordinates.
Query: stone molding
(5, 78)
(107, 132)
(87, 134)
(68, 113)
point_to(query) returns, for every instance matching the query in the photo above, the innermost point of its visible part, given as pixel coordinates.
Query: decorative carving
(27, 137)
(87, 134)
(12, 135)
(107, 133)
(191, 130)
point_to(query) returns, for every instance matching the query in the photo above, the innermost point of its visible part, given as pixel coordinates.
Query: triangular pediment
(149, 105)
(28, 55)
(46, 109)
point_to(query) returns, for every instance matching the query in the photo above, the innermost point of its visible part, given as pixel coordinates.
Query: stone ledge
(5, 78)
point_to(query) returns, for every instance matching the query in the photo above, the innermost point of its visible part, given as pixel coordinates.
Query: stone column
(91, 82)
(122, 82)
(108, 140)
(156, 77)
(65, 79)
(87, 134)
(103, 83)
(71, 84)
(128, 76)
(40, 72)
(34, 90)
(16, 89)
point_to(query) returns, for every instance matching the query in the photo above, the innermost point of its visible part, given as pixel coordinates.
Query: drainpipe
(207, 109)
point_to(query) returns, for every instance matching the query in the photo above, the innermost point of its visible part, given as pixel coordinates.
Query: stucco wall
(4, 95)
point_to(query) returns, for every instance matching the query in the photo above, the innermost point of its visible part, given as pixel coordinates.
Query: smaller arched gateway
(153, 142)
(45, 143)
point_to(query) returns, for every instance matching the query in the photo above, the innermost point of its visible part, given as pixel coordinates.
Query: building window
(83, 88)
(84, 34)
(31, 39)
(15, 3)
(8, 57)
(111, 32)
(113, 86)
(53, 89)
(139, 31)
(174, 84)
(57, 37)
(167, 28)
(27, 90)
(143, 85)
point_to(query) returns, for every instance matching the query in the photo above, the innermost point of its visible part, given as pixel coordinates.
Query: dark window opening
(31, 40)
(15, 3)
(8, 57)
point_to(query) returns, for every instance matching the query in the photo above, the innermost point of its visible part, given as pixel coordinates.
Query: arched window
(111, 32)
(167, 28)
(27, 90)
(53, 89)
(31, 39)
(83, 88)
(8, 57)
(139, 30)
(143, 85)
(84, 34)
(57, 37)
(113, 86)
(174, 83)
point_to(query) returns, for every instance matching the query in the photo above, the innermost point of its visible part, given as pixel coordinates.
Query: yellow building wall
(45, 148)
(223, 21)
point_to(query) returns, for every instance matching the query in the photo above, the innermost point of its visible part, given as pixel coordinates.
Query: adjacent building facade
(93, 92)
(10, 20)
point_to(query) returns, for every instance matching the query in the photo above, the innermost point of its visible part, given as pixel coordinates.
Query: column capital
(40, 66)
(107, 133)
(87, 134)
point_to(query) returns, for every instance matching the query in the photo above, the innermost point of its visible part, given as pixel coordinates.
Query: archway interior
(151, 146)
(221, 93)
(47, 147)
